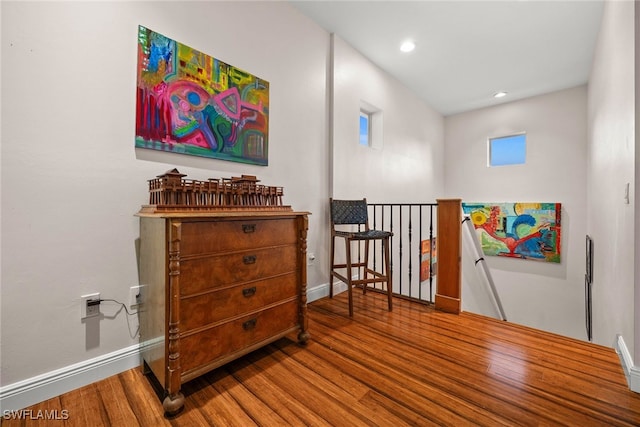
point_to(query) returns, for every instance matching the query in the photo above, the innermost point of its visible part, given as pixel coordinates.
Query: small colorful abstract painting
(518, 230)
(191, 103)
(428, 259)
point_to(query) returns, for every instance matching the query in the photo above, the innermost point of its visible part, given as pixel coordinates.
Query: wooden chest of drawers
(215, 287)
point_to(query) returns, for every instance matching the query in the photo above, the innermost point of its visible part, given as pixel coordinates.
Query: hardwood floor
(411, 367)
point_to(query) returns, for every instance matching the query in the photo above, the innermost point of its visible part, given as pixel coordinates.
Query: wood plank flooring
(411, 367)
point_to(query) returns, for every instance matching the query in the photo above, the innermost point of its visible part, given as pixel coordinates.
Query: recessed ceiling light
(499, 94)
(407, 46)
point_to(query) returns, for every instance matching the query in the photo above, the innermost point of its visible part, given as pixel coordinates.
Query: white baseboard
(51, 384)
(322, 291)
(34, 390)
(630, 371)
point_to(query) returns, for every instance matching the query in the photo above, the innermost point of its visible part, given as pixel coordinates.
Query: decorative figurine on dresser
(223, 270)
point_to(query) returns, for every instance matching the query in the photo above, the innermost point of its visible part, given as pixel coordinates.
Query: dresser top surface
(144, 213)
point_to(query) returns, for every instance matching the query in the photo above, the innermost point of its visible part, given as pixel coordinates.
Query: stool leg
(348, 276)
(387, 268)
(333, 244)
(366, 265)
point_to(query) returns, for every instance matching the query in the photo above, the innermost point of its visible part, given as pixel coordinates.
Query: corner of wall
(631, 372)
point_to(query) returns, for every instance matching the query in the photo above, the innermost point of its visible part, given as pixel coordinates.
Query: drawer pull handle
(249, 324)
(249, 259)
(249, 292)
(248, 228)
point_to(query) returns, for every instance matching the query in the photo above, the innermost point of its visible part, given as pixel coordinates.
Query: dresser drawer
(205, 347)
(201, 274)
(203, 309)
(201, 237)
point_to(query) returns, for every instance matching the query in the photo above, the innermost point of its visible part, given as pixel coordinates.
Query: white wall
(637, 187)
(72, 180)
(409, 166)
(611, 165)
(542, 295)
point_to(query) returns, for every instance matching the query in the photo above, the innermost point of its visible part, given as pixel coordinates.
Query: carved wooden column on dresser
(216, 286)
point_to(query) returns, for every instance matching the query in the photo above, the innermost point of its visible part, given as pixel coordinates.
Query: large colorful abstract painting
(192, 103)
(518, 230)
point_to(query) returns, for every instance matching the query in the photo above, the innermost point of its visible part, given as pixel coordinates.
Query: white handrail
(479, 259)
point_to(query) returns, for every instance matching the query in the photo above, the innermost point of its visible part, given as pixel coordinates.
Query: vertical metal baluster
(391, 240)
(420, 253)
(430, 253)
(400, 248)
(410, 251)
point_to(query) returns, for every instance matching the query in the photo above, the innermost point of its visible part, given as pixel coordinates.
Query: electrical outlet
(89, 305)
(135, 296)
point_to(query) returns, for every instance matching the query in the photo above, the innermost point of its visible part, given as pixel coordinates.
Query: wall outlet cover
(89, 305)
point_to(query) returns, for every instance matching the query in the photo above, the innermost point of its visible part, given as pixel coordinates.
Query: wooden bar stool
(352, 213)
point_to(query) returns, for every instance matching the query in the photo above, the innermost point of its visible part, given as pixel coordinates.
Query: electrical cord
(122, 304)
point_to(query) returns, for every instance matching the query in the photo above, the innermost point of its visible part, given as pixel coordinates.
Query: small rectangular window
(370, 126)
(365, 128)
(507, 150)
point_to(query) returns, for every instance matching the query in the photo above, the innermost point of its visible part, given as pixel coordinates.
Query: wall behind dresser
(72, 180)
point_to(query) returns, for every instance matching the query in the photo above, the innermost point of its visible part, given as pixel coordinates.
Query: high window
(365, 128)
(507, 150)
(370, 125)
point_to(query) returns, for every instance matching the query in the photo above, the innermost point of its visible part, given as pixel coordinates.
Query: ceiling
(468, 50)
